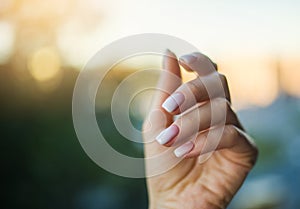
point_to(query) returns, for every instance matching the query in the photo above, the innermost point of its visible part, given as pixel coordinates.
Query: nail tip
(159, 138)
(176, 154)
(167, 135)
(184, 149)
(159, 141)
(166, 107)
(173, 102)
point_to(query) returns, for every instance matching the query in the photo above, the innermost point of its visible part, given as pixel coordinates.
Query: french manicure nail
(167, 134)
(184, 149)
(188, 58)
(173, 102)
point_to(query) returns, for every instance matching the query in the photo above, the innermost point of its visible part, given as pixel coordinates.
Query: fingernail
(173, 102)
(167, 134)
(167, 51)
(188, 58)
(184, 149)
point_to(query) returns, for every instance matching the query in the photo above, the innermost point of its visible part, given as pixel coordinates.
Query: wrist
(205, 199)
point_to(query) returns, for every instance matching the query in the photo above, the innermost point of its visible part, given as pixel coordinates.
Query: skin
(190, 184)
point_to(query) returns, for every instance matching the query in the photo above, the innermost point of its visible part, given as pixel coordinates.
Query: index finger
(198, 62)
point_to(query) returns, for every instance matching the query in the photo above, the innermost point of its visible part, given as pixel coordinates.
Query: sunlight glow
(44, 64)
(291, 76)
(7, 37)
(242, 39)
(252, 81)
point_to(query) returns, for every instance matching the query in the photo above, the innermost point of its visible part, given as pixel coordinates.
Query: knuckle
(222, 108)
(221, 104)
(231, 131)
(215, 65)
(223, 79)
(225, 85)
(231, 116)
(225, 104)
(224, 82)
(228, 107)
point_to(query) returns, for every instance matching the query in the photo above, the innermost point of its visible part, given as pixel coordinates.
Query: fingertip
(170, 63)
(184, 65)
(198, 62)
(168, 134)
(170, 78)
(188, 59)
(184, 149)
(173, 102)
(168, 51)
(169, 55)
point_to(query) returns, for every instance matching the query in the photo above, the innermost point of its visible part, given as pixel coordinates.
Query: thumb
(158, 118)
(158, 158)
(170, 79)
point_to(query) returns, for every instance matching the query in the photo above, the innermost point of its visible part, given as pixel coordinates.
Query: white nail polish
(184, 149)
(167, 134)
(173, 102)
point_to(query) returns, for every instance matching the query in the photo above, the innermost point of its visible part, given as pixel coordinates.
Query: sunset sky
(249, 40)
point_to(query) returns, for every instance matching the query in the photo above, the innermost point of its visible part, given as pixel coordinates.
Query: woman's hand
(218, 136)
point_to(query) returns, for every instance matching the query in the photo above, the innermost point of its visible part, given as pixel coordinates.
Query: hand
(217, 137)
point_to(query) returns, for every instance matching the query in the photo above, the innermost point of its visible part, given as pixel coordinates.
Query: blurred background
(45, 44)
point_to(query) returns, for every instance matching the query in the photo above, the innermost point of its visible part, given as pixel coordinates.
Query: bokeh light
(44, 64)
(7, 40)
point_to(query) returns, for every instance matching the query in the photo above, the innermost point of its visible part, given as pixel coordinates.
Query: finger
(215, 64)
(199, 63)
(202, 117)
(231, 138)
(170, 78)
(209, 84)
(196, 91)
(187, 68)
